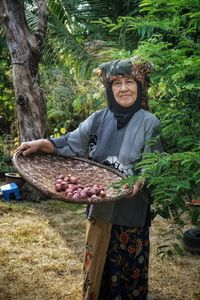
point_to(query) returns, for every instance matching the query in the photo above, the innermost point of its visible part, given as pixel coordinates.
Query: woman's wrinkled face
(124, 90)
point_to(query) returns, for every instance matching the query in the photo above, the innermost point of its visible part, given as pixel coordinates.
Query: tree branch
(42, 18)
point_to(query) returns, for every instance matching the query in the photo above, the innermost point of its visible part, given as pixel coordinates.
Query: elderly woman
(117, 240)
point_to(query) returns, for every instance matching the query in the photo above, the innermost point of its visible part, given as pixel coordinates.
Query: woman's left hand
(136, 188)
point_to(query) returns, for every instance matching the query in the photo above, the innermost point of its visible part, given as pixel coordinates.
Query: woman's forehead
(122, 78)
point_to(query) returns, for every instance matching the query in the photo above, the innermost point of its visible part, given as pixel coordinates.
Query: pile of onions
(74, 190)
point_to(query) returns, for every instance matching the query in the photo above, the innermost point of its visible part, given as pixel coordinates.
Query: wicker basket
(41, 170)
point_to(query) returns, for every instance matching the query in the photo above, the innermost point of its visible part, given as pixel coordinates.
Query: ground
(41, 253)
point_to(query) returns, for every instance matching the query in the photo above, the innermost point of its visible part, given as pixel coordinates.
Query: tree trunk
(26, 49)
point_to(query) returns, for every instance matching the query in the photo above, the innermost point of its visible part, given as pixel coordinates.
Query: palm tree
(75, 37)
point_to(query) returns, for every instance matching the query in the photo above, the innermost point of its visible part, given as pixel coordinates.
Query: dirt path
(41, 248)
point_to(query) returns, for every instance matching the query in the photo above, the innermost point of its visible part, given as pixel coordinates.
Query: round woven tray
(41, 170)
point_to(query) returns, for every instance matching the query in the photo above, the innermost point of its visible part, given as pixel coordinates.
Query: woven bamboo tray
(41, 170)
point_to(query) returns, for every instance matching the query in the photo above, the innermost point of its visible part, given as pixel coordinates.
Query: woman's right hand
(27, 148)
(43, 145)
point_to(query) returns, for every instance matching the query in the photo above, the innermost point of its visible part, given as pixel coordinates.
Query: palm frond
(73, 36)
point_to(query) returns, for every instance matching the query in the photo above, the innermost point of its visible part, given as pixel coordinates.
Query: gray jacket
(89, 138)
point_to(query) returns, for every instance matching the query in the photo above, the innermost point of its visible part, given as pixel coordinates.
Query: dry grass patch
(175, 278)
(41, 253)
(36, 262)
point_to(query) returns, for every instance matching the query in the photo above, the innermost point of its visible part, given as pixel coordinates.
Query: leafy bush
(69, 99)
(7, 105)
(169, 37)
(5, 158)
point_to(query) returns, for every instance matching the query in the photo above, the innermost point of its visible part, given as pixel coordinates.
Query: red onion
(75, 190)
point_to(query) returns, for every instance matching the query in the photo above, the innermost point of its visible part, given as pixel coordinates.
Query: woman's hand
(42, 145)
(136, 188)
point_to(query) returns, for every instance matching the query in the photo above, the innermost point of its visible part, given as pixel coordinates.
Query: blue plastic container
(10, 191)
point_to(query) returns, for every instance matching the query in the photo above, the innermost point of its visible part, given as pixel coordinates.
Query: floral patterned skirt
(125, 273)
(120, 270)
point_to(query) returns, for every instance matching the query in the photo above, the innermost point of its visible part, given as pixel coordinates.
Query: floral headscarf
(135, 67)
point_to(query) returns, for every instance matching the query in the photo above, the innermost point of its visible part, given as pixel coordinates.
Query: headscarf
(139, 70)
(136, 67)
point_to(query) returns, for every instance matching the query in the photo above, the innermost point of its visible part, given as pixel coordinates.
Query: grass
(41, 253)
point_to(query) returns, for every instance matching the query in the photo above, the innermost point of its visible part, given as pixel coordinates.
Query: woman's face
(125, 91)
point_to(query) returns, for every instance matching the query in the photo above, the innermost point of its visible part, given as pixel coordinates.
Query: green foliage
(58, 85)
(171, 244)
(5, 157)
(174, 180)
(74, 37)
(7, 105)
(176, 95)
(169, 37)
(89, 97)
(69, 99)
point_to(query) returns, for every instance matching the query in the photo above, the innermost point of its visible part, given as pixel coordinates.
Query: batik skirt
(115, 262)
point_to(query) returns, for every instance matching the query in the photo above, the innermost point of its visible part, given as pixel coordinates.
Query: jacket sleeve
(153, 141)
(75, 143)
